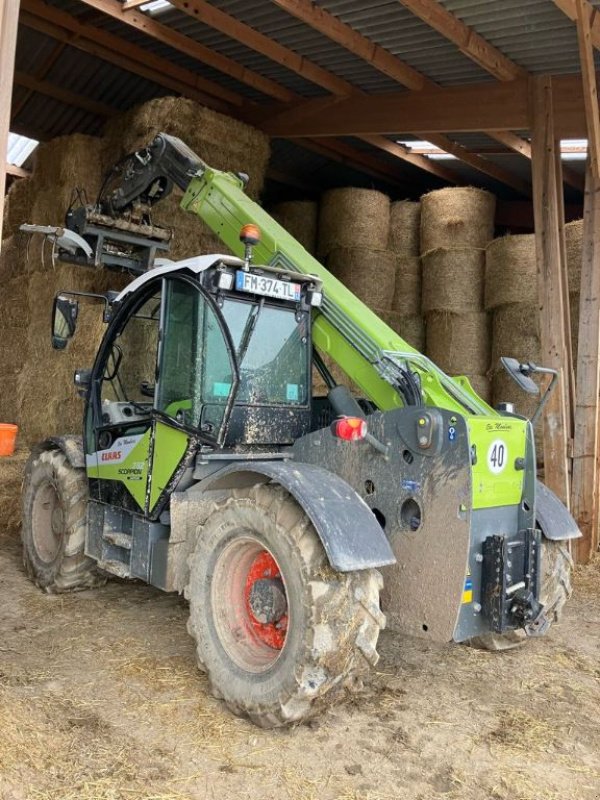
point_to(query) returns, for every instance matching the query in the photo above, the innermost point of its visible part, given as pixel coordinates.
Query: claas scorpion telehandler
(294, 525)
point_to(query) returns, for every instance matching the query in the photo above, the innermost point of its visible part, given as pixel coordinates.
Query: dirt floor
(100, 699)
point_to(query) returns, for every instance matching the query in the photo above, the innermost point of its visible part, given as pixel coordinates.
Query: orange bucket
(8, 437)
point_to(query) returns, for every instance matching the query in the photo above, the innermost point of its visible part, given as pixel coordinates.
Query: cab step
(117, 568)
(118, 538)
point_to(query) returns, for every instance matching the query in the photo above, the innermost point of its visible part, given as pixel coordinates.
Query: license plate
(269, 287)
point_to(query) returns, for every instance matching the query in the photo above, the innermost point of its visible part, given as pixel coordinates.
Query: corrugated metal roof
(534, 33)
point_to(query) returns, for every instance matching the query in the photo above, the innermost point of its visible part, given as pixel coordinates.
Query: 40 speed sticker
(497, 456)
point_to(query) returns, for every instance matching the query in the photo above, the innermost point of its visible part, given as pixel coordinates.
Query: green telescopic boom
(366, 349)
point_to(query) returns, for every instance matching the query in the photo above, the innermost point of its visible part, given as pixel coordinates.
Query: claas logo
(111, 455)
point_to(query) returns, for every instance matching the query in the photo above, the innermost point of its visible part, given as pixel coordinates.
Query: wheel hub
(266, 601)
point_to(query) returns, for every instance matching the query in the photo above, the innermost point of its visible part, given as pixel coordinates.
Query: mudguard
(350, 534)
(556, 522)
(70, 444)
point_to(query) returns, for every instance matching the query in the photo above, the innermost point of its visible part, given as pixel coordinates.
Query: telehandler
(207, 467)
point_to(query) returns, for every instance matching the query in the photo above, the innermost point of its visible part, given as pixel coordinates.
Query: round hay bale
(299, 218)
(352, 218)
(459, 216)
(573, 240)
(405, 228)
(411, 328)
(511, 271)
(17, 206)
(459, 343)
(369, 274)
(12, 257)
(516, 333)
(407, 286)
(453, 280)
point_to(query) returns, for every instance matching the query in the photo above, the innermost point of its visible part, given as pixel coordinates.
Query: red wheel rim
(272, 634)
(251, 620)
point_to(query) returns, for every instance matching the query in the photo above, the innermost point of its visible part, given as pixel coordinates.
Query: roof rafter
(232, 27)
(381, 59)
(470, 43)
(588, 75)
(279, 53)
(63, 95)
(110, 48)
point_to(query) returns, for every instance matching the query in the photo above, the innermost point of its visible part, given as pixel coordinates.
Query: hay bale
(369, 274)
(407, 285)
(12, 470)
(222, 142)
(405, 228)
(457, 217)
(459, 343)
(573, 241)
(516, 333)
(17, 206)
(453, 280)
(511, 271)
(352, 218)
(299, 218)
(411, 327)
(190, 235)
(70, 162)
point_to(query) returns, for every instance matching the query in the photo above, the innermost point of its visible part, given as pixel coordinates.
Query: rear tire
(556, 589)
(55, 498)
(332, 619)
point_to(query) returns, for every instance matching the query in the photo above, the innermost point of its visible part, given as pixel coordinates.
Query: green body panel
(136, 463)
(169, 448)
(218, 198)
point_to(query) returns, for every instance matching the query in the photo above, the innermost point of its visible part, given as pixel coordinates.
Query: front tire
(280, 634)
(556, 589)
(55, 498)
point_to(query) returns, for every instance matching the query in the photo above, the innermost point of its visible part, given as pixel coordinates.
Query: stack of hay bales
(404, 243)
(456, 226)
(573, 239)
(37, 382)
(353, 244)
(511, 294)
(299, 218)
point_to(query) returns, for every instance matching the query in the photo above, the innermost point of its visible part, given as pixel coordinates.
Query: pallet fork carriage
(294, 525)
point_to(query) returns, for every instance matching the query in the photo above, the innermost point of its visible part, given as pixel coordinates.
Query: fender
(350, 534)
(70, 444)
(553, 518)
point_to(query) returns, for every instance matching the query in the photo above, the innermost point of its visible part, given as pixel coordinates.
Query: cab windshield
(271, 343)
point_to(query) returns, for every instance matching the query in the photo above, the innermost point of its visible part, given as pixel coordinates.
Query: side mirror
(520, 373)
(64, 321)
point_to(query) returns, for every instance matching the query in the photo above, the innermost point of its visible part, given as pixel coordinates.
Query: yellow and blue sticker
(467, 596)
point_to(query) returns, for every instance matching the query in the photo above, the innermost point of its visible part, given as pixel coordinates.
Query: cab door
(145, 415)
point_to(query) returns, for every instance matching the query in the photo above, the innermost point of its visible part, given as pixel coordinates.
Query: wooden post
(9, 20)
(550, 260)
(585, 446)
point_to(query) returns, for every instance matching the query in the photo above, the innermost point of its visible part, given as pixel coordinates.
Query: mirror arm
(547, 393)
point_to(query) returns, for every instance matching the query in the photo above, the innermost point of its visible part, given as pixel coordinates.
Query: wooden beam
(361, 161)
(63, 95)
(470, 43)
(185, 44)
(16, 172)
(472, 107)
(9, 21)
(40, 72)
(91, 39)
(378, 57)
(335, 29)
(549, 255)
(588, 75)
(584, 496)
(128, 5)
(110, 48)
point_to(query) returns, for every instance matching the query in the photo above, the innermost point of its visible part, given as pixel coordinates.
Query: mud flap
(552, 517)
